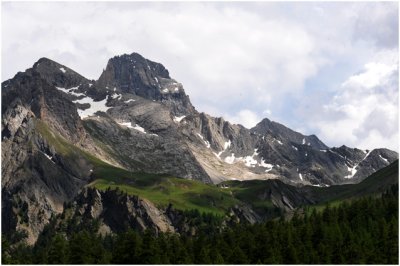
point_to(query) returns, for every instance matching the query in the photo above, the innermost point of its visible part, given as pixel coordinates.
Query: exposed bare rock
(137, 75)
(118, 211)
(244, 214)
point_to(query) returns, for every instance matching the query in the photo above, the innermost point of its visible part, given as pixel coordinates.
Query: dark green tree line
(362, 231)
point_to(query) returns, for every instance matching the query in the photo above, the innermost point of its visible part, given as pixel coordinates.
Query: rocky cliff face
(117, 212)
(57, 125)
(139, 76)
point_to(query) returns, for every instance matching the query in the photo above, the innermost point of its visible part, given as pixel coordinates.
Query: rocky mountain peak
(133, 73)
(279, 131)
(57, 74)
(142, 77)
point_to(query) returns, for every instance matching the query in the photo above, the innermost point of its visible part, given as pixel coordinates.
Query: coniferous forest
(361, 231)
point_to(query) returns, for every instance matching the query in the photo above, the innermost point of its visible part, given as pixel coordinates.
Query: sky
(329, 69)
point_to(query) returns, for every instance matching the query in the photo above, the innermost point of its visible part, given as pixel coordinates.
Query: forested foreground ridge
(361, 231)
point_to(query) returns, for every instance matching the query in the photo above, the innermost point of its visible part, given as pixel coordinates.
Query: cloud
(383, 14)
(245, 117)
(364, 111)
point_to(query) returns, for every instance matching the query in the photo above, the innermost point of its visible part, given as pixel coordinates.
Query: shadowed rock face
(116, 212)
(138, 118)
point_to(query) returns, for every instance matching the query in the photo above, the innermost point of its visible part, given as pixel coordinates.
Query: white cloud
(375, 73)
(383, 14)
(364, 111)
(246, 118)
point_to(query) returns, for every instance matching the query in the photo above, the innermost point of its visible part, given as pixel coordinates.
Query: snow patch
(90, 85)
(136, 127)
(179, 118)
(205, 141)
(304, 141)
(279, 142)
(127, 124)
(176, 89)
(353, 170)
(156, 79)
(227, 144)
(70, 91)
(301, 177)
(383, 158)
(266, 165)
(116, 96)
(49, 157)
(323, 150)
(99, 106)
(139, 128)
(165, 90)
(320, 185)
(249, 161)
(63, 70)
(130, 100)
(230, 159)
(295, 148)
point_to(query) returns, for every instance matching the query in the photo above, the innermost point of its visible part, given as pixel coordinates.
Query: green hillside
(185, 194)
(163, 190)
(374, 184)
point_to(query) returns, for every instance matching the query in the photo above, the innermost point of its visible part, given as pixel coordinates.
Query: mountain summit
(136, 75)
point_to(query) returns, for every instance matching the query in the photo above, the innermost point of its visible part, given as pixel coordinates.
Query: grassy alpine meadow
(162, 190)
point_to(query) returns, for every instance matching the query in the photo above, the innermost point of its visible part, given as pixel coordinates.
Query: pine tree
(58, 252)
(127, 248)
(5, 251)
(238, 257)
(150, 250)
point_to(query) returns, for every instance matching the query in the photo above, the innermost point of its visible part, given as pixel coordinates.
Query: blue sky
(329, 69)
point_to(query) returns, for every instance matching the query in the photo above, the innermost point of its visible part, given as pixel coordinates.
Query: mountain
(62, 132)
